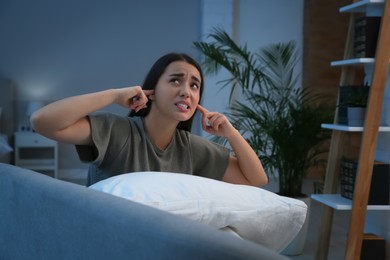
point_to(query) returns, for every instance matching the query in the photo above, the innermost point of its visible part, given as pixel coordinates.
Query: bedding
(253, 213)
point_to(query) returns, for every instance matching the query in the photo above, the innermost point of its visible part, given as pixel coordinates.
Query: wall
(266, 22)
(55, 49)
(325, 31)
(59, 48)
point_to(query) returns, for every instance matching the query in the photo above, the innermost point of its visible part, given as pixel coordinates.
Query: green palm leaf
(282, 122)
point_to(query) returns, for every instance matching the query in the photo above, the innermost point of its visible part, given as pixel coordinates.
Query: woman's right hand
(133, 97)
(66, 120)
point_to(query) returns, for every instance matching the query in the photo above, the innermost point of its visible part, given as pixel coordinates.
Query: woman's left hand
(245, 167)
(216, 123)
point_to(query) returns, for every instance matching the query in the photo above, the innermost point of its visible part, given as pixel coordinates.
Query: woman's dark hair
(154, 75)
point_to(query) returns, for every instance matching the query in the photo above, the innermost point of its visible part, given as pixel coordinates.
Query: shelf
(336, 201)
(39, 167)
(357, 61)
(352, 128)
(36, 152)
(374, 68)
(365, 6)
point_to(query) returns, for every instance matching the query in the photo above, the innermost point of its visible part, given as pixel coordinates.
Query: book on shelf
(366, 36)
(380, 182)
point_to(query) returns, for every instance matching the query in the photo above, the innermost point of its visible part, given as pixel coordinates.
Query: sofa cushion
(253, 213)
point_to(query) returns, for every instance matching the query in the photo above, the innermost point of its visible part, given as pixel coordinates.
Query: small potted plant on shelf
(352, 105)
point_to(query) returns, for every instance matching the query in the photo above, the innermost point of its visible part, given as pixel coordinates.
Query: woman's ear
(152, 97)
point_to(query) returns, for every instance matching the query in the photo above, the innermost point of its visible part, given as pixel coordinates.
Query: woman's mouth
(182, 106)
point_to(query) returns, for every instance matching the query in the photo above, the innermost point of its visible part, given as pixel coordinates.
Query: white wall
(54, 49)
(263, 22)
(256, 23)
(216, 14)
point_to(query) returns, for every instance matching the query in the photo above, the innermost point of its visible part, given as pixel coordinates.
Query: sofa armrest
(50, 219)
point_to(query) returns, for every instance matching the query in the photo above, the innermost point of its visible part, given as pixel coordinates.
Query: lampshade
(32, 106)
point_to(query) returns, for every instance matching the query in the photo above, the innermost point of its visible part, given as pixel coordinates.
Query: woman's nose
(185, 90)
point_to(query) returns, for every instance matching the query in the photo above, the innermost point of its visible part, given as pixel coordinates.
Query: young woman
(156, 135)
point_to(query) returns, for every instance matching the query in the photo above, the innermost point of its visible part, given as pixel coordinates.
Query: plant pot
(356, 116)
(298, 244)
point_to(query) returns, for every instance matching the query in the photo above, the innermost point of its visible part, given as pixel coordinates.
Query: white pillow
(253, 213)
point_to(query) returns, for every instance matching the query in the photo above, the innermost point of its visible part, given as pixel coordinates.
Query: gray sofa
(46, 218)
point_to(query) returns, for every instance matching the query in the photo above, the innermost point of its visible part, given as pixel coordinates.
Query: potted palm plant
(282, 122)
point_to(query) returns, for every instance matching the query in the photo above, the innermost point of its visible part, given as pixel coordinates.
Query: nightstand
(36, 152)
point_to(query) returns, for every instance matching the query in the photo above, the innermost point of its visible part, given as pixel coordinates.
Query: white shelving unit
(357, 61)
(336, 201)
(36, 152)
(364, 6)
(379, 68)
(347, 128)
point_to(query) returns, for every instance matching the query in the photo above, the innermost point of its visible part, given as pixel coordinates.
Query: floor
(339, 234)
(339, 231)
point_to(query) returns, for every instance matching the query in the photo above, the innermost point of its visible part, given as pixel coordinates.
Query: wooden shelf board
(352, 128)
(336, 201)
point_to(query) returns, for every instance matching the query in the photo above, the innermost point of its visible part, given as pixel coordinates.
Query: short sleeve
(103, 127)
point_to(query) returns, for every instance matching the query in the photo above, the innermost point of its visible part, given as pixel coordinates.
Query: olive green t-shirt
(121, 145)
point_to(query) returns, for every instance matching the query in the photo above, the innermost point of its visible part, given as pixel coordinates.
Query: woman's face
(177, 92)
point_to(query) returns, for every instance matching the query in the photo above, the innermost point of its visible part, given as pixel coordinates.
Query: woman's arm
(66, 120)
(246, 167)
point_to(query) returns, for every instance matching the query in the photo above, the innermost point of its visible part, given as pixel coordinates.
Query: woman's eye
(196, 86)
(175, 81)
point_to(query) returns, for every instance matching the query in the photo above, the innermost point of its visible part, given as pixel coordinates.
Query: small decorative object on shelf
(366, 36)
(352, 105)
(380, 182)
